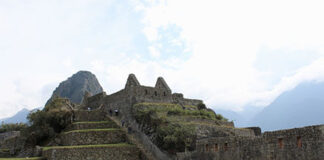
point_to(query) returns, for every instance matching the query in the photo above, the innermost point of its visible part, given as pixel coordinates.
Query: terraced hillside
(175, 128)
(93, 140)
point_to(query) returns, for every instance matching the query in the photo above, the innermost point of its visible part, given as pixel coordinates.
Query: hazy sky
(228, 53)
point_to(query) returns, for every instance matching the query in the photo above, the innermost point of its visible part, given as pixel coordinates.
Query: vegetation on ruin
(201, 106)
(48, 122)
(177, 110)
(167, 124)
(12, 127)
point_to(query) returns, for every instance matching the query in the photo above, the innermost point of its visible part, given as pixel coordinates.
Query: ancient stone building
(243, 143)
(292, 144)
(134, 92)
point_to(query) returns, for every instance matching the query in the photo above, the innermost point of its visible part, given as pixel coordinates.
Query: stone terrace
(94, 140)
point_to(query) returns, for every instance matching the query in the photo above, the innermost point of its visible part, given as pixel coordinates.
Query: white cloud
(154, 52)
(226, 36)
(43, 43)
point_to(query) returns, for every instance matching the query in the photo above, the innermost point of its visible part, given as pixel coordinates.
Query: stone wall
(136, 93)
(85, 115)
(9, 134)
(129, 152)
(294, 144)
(150, 94)
(91, 125)
(14, 144)
(95, 101)
(93, 136)
(205, 131)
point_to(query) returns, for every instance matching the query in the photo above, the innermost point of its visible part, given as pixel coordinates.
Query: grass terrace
(93, 130)
(89, 146)
(92, 122)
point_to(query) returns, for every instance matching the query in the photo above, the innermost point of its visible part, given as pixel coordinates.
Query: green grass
(89, 146)
(32, 158)
(93, 130)
(92, 122)
(168, 109)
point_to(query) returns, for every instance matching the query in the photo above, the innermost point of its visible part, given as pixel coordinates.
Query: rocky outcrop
(75, 87)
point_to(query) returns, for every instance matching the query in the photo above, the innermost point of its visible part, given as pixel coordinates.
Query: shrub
(220, 117)
(12, 127)
(47, 123)
(175, 111)
(175, 138)
(201, 106)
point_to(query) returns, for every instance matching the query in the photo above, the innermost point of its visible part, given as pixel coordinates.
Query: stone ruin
(93, 135)
(244, 143)
(134, 92)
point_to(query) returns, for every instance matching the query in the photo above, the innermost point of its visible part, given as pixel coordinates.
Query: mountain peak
(77, 85)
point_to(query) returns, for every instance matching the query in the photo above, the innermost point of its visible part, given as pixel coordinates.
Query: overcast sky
(229, 53)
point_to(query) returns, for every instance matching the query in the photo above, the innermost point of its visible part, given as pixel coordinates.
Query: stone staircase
(133, 139)
(93, 140)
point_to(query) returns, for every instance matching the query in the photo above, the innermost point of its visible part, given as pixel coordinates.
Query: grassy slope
(174, 126)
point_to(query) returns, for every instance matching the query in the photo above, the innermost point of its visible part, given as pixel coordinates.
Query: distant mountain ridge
(19, 117)
(76, 86)
(299, 107)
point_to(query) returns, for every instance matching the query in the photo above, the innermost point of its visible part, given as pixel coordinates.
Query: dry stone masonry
(93, 136)
(243, 143)
(93, 140)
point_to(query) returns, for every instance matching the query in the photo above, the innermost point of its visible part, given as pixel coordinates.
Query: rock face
(76, 86)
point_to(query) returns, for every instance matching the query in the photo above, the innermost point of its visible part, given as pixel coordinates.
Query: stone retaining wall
(294, 144)
(94, 153)
(93, 137)
(93, 115)
(91, 125)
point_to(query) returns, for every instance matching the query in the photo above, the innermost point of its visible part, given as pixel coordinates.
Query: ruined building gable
(135, 92)
(161, 84)
(132, 81)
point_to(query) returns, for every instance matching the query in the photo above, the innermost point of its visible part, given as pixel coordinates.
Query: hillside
(299, 107)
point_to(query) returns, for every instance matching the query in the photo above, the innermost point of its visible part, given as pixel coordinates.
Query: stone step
(93, 136)
(92, 125)
(121, 151)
